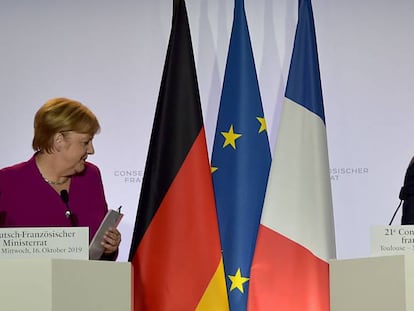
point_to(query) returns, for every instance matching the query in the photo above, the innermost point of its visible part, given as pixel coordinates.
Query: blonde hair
(61, 115)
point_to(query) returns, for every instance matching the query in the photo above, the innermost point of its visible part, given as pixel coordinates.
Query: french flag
(296, 237)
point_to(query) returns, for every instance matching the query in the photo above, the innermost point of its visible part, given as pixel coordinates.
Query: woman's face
(76, 148)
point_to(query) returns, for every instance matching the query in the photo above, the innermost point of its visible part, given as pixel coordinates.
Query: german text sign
(49, 242)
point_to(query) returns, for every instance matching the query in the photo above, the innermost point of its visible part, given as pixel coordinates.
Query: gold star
(213, 169)
(237, 281)
(262, 124)
(230, 137)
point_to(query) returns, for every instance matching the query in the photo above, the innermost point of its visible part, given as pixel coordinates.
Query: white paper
(111, 219)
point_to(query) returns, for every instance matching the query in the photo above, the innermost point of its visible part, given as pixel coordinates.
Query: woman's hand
(111, 241)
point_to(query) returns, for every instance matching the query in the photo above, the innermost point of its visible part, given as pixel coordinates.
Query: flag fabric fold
(296, 237)
(240, 161)
(175, 249)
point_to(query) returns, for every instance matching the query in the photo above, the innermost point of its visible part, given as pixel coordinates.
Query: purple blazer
(26, 200)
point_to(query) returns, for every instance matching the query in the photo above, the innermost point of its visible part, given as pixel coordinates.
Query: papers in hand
(111, 219)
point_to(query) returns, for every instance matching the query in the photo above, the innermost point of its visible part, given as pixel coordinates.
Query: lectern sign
(49, 242)
(392, 240)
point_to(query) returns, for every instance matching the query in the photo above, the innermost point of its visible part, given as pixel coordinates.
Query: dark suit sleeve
(110, 257)
(407, 195)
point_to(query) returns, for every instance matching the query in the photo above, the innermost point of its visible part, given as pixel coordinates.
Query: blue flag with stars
(240, 161)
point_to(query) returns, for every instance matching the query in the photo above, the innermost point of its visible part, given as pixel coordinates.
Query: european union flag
(240, 161)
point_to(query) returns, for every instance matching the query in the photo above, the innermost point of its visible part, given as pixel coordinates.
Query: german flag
(175, 250)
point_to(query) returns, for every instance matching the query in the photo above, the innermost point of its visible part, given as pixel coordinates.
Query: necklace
(56, 183)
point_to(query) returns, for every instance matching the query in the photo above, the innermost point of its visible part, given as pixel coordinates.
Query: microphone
(402, 196)
(2, 218)
(395, 213)
(64, 195)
